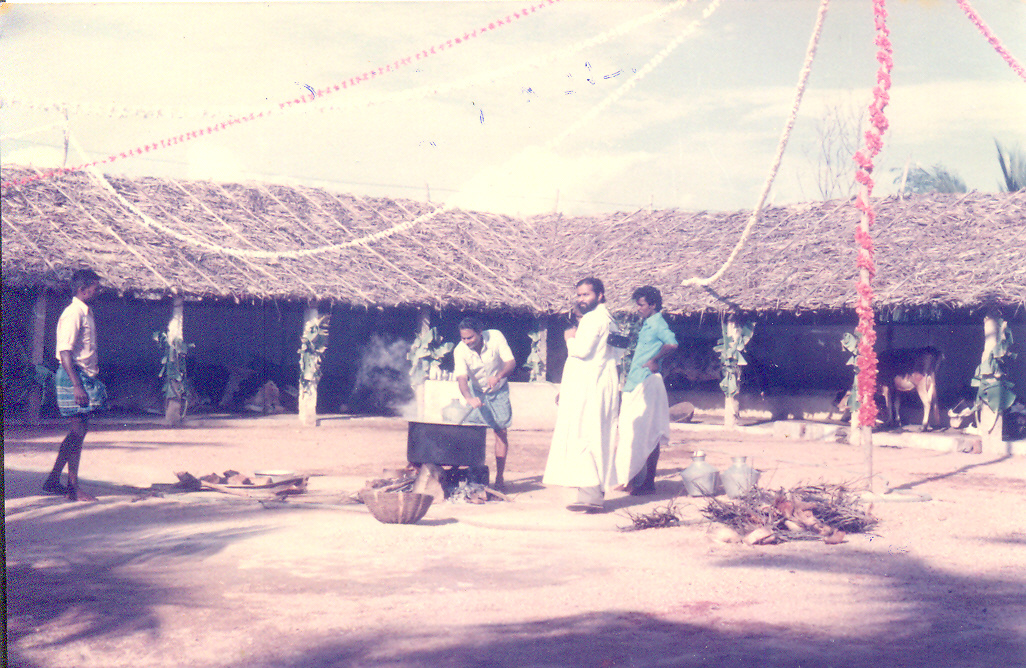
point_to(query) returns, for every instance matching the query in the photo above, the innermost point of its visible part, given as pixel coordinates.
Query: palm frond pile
(807, 512)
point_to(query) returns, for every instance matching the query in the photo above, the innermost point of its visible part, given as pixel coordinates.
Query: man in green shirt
(644, 422)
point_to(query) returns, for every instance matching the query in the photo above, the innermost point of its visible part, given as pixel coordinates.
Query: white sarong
(644, 425)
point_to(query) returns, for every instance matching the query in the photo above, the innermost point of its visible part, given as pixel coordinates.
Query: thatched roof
(953, 252)
(262, 241)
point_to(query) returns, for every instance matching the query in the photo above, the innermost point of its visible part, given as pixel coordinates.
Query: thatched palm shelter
(155, 238)
(261, 241)
(955, 252)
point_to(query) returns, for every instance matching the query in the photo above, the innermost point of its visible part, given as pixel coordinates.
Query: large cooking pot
(446, 444)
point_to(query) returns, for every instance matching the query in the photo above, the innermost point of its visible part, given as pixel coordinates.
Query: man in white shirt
(79, 390)
(483, 361)
(589, 397)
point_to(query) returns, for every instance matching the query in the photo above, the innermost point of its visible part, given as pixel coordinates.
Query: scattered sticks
(807, 512)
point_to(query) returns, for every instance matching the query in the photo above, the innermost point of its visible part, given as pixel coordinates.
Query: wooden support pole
(175, 332)
(543, 347)
(308, 390)
(867, 393)
(423, 329)
(731, 405)
(991, 423)
(35, 399)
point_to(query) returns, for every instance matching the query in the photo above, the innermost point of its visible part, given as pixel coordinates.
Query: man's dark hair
(83, 278)
(471, 323)
(596, 285)
(651, 295)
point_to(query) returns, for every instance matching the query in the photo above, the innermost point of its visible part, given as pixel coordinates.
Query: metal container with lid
(446, 444)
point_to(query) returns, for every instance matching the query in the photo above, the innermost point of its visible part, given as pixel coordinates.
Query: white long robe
(584, 435)
(644, 425)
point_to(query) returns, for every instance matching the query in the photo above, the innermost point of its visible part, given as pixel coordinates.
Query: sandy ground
(205, 579)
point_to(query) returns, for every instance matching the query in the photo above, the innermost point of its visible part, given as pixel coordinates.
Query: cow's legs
(889, 399)
(896, 400)
(928, 395)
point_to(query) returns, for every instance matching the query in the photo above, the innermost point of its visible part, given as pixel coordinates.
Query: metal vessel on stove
(446, 444)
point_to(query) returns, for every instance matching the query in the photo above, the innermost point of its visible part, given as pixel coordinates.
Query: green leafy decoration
(177, 384)
(426, 353)
(312, 344)
(535, 361)
(850, 342)
(731, 350)
(630, 325)
(992, 388)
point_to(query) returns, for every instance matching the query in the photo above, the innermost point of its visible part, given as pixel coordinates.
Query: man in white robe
(644, 423)
(583, 438)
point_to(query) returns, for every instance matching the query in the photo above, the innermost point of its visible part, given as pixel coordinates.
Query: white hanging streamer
(119, 111)
(406, 225)
(803, 78)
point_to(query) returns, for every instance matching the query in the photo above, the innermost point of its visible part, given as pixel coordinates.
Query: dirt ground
(205, 579)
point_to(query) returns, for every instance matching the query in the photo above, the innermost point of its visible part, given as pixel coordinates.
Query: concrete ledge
(534, 404)
(818, 406)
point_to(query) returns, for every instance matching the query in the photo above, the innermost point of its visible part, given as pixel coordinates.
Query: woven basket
(397, 507)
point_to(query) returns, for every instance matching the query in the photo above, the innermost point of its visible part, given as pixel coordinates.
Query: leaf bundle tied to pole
(731, 349)
(312, 344)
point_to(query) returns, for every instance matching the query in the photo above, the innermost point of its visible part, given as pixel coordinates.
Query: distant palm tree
(1013, 169)
(921, 180)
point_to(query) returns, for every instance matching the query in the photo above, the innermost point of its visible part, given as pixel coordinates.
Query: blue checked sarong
(96, 390)
(495, 412)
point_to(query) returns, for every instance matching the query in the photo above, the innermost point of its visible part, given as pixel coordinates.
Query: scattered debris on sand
(663, 516)
(250, 485)
(807, 512)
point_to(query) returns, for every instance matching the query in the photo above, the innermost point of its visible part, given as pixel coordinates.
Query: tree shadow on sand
(934, 619)
(64, 560)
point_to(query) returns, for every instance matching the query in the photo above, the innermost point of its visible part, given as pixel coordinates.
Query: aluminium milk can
(739, 477)
(700, 478)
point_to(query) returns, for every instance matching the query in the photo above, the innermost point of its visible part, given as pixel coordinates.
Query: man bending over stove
(482, 362)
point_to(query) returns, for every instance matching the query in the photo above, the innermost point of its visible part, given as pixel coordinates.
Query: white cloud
(211, 162)
(929, 110)
(539, 181)
(35, 156)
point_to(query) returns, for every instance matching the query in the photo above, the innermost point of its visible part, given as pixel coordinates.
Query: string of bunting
(286, 105)
(864, 159)
(803, 78)
(992, 38)
(636, 77)
(320, 105)
(406, 225)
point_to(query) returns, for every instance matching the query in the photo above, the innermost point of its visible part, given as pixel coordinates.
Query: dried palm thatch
(246, 241)
(658, 518)
(949, 251)
(806, 512)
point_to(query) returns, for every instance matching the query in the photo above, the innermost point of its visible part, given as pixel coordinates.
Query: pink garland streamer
(992, 38)
(328, 90)
(864, 159)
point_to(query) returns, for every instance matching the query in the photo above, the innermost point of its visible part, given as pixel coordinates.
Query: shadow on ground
(932, 631)
(935, 618)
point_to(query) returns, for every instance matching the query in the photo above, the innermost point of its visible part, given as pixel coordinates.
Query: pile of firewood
(661, 517)
(809, 512)
(434, 480)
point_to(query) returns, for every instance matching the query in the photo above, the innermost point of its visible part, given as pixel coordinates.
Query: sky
(582, 107)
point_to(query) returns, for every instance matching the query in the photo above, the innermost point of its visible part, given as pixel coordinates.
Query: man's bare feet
(55, 488)
(79, 495)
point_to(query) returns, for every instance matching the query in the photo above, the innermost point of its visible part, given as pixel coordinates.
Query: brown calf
(906, 370)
